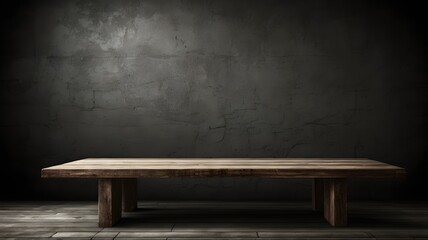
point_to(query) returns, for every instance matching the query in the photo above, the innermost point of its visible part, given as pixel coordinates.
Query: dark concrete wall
(212, 79)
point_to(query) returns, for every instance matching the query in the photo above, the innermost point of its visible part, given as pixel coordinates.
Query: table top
(223, 167)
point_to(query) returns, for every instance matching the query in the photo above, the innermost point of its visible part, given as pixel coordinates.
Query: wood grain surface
(194, 220)
(335, 201)
(225, 167)
(109, 201)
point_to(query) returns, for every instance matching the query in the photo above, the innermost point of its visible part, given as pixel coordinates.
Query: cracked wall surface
(212, 79)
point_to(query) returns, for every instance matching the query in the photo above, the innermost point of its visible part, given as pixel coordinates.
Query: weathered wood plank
(73, 234)
(109, 201)
(335, 201)
(34, 234)
(311, 234)
(206, 167)
(42, 224)
(187, 234)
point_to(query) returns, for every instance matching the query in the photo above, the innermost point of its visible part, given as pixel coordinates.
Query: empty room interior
(214, 119)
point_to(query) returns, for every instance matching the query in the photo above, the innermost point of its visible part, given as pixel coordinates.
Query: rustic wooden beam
(335, 201)
(129, 194)
(327, 199)
(318, 194)
(109, 201)
(222, 167)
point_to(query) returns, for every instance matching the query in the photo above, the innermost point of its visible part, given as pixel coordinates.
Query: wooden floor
(212, 220)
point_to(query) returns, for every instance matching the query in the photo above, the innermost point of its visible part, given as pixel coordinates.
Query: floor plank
(74, 234)
(213, 220)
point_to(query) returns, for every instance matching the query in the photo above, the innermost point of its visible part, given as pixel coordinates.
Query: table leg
(129, 194)
(109, 201)
(318, 194)
(335, 201)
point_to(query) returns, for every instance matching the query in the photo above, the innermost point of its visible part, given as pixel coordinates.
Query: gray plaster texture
(211, 79)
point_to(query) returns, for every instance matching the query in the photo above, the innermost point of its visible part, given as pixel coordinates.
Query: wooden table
(117, 187)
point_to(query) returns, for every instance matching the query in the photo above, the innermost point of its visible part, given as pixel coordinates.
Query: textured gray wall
(211, 79)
